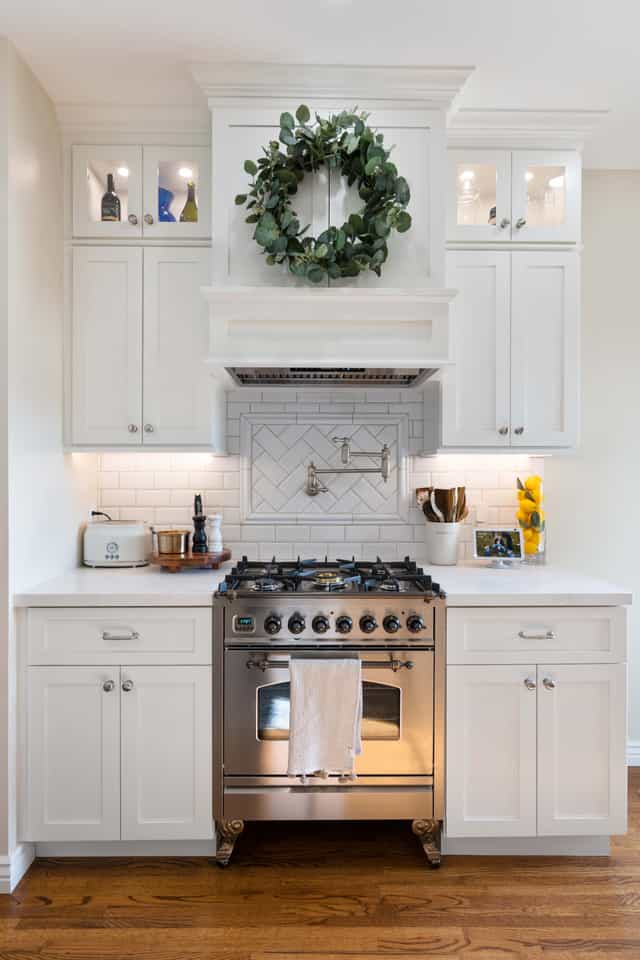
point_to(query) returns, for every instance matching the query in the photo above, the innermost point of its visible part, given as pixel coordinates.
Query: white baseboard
(14, 867)
(527, 846)
(128, 848)
(633, 753)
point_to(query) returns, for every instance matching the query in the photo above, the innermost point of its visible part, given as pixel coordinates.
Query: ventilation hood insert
(335, 336)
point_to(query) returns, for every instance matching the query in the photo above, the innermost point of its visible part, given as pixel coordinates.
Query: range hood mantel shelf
(331, 326)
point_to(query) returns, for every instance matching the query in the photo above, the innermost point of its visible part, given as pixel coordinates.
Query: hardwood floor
(340, 892)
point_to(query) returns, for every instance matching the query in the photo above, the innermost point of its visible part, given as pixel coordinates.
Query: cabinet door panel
(582, 776)
(491, 751)
(544, 349)
(237, 259)
(106, 345)
(478, 181)
(91, 166)
(73, 736)
(178, 388)
(166, 753)
(546, 195)
(414, 257)
(167, 171)
(476, 392)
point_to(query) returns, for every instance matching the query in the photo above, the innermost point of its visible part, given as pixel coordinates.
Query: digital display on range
(244, 624)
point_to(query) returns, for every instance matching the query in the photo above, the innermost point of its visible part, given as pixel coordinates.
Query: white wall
(593, 499)
(47, 493)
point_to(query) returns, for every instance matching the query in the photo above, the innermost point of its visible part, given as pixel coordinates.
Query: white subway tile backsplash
(159, 487)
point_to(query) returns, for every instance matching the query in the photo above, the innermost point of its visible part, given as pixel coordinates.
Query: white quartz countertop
(470, 586)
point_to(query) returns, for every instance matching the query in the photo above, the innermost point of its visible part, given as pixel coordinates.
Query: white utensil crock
(442, 542)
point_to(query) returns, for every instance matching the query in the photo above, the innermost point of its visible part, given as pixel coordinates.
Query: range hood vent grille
(329, 376)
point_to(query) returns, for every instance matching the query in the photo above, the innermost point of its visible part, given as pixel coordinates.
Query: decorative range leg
(227, 832)
(428, 833)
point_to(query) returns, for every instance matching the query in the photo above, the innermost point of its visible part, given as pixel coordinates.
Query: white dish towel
(325, 716)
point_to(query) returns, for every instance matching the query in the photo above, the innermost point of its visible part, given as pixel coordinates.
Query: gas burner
(266, 585)
(332, 580)
(389, 586)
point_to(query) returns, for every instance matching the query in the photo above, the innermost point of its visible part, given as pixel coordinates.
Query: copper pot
(173, 541)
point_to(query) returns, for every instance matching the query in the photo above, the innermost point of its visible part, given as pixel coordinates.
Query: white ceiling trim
(437, 86)
(513, 128)
(141, 121)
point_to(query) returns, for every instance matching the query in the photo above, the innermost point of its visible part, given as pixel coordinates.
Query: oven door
(397, 721)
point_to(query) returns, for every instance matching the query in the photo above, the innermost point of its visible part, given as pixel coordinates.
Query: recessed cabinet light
(556, 182)
(123, 171)
(467, 175)
(185, 172)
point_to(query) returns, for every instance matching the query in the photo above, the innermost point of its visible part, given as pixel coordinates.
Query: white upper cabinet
(138, 192)
(476, 391)
(544, 349)
(323, 198)
(516, 196)
(106, 345)
(177, 385)
(121, 213)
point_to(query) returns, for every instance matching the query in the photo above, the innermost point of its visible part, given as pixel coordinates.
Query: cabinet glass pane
(546, 195)
(381, 705)
(177, 185)
(476, 188)
(107, 190)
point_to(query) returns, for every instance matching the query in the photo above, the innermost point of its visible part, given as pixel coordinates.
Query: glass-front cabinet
(513, 196)
(141, 192)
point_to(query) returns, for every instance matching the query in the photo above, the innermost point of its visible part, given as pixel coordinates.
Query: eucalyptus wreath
(343, 142)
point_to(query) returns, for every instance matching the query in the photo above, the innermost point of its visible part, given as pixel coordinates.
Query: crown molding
(540, 128)
(141, 120)
(435, 86)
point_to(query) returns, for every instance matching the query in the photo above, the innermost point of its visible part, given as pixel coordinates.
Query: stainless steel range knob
(272, 624)
(368, 623)
(391, 623)
(320, 624)
(296, 623)
(415, 623)
(344, 624)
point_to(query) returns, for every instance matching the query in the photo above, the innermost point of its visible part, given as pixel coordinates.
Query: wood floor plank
(331, 892)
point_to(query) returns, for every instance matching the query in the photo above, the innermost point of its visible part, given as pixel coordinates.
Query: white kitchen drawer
(537, 635)
(114, 635)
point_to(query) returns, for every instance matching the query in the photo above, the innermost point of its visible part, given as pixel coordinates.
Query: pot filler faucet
(314, 484)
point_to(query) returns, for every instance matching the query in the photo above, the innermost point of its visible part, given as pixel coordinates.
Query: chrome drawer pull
(391, 664)
(548, 683)
(530, 684)
(120, 636)
(549, 635)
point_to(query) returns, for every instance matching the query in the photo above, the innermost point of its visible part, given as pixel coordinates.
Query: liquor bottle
(110, 207)
(190, 210)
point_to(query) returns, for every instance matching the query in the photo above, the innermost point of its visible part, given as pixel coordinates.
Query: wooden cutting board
(175, 562)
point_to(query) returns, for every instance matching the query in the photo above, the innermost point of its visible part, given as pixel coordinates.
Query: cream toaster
(116, 543)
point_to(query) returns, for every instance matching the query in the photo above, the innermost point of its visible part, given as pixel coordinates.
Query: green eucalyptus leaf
(287, 137)
(303, 114)
(357, 223)
(253, 218)
(402, 190)
(321, 251)
(266, 230)
(341, 239)
(250, 168)
(403, 221)
(315, 273)
(286, 120)
(240, 199)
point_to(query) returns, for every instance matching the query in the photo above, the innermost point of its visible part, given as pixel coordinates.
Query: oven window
(381, 711)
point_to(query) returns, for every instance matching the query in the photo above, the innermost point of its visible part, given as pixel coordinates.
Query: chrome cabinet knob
(132, 428)
(548, 683)
(127, 686)
(148, 428)
(108, 686)
(133, 220)
(148, 218)
(520, 223)
(519, 431)
(503, 431)
(504, 223)
(530, 684)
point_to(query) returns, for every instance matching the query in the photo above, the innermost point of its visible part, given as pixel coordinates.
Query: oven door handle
(391, 664)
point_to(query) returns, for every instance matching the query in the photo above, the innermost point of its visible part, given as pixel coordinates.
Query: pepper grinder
(199, 521)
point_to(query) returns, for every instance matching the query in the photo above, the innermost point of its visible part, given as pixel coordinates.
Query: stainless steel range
(391, 617)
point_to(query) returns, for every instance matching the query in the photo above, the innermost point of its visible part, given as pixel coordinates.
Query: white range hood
(267, 328)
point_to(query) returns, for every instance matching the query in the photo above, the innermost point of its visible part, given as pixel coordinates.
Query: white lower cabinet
(166, 753)
(582, 776)
(536, 749)
(73, 762)
(491, 751)
(118, 753)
